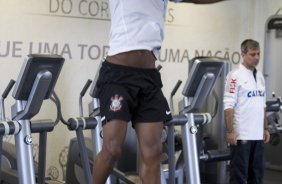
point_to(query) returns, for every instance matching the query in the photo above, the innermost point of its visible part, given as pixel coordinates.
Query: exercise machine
(201, 78)
(79, 155)
(211, 137)
(272, 54)
(272, 72)
(35, 83)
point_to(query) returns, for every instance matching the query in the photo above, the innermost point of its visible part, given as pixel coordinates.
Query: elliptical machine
(201, 79)
(36, 81)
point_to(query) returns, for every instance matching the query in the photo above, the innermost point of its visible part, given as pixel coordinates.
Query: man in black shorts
(131, 92)
(129, 86)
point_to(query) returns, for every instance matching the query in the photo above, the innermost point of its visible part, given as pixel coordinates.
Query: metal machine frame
(199, 84)
(36, 81)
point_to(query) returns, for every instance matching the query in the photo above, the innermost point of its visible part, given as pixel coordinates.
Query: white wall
(78, 30)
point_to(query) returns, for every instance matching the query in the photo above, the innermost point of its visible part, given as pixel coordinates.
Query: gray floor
(272, 177)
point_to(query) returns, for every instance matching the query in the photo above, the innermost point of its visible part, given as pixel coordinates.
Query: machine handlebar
(159, 67)
(38, 126)
(199, 118)
(14, 127)
(8, 88)
(86, 86)
(273, 105)
(175, 88)
(82, 122)
(9, 127)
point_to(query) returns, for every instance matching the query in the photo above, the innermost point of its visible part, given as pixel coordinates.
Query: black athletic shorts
(128, 93)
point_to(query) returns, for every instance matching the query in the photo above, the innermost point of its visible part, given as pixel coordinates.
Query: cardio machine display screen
(200, 67)
(33, 65)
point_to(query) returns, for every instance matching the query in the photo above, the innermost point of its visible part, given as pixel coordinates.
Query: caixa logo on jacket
(255, 93)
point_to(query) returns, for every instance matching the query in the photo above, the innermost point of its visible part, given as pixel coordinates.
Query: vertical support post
(83, 155)
(2, 117)
(42, 157)
(190, 150)
(171, 154)
(96, 138)
(25, 154)
(1, 147)
(24, 143)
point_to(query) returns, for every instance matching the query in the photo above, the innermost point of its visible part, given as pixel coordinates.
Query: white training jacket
(246, 96)
(136, 25)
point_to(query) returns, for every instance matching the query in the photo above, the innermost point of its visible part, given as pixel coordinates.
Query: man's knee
(112, 152)
(152, 152)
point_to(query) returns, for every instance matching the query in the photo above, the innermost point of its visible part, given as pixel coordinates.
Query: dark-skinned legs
(149, 137)
(114, 133)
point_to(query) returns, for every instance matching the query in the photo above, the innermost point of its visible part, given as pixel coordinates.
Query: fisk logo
(232, 85)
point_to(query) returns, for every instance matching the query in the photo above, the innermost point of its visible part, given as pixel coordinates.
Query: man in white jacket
(245, 117)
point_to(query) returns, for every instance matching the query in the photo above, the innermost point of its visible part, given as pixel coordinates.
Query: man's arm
(266, 135)
(230, 134)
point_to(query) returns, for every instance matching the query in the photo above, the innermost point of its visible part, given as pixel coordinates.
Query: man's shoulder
(259, 73)
(235, 72)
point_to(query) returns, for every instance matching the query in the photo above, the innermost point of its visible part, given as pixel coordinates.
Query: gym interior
(74, 33)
